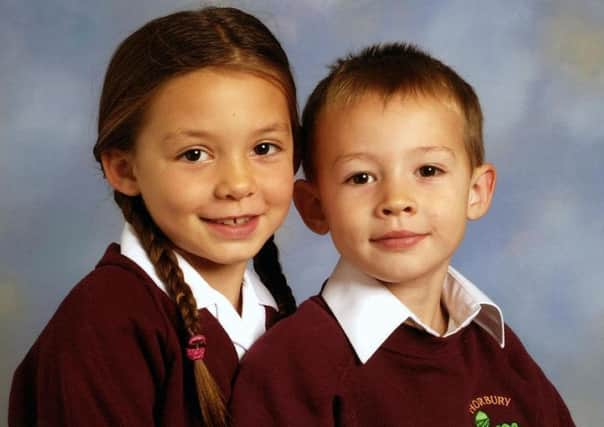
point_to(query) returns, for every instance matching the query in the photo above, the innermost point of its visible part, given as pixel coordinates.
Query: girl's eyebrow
(189, 133)
(202, 134)
(274, 127)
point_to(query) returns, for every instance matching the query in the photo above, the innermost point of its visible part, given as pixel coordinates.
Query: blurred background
(538, 67)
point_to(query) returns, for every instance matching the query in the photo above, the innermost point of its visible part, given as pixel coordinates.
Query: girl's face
(214, 164)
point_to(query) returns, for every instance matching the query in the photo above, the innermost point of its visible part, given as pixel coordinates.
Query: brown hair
(162, 49)
(388, 70)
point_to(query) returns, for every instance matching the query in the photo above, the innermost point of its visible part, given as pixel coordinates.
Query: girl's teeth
(234, 221)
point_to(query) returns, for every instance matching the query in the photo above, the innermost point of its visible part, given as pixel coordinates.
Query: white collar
(368, 312)
(243, 329)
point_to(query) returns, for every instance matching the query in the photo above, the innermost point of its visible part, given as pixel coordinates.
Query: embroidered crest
(482, 420)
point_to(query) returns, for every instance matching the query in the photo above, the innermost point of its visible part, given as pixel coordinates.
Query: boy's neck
(423, 298)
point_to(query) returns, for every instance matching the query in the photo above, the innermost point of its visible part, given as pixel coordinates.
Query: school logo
(482, 420)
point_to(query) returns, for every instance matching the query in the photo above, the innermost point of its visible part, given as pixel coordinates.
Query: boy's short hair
(389, 70)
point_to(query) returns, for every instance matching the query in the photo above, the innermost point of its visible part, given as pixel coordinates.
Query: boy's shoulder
(310, 333)
(312, 322)
(516, 352)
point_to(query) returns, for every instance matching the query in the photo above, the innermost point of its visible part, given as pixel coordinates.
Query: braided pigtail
(159, 250)
(266, 264)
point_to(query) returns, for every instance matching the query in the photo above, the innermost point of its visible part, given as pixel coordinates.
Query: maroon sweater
(304, 372)
(112, 355)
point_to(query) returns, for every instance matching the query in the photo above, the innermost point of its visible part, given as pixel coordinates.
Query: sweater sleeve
(98, 361)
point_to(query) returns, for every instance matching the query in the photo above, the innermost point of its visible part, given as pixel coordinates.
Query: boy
(394, 165)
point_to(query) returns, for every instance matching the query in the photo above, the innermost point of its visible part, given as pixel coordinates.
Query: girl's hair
(162, 49)
(388, 70)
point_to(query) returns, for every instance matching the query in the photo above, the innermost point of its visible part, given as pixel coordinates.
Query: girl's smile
(234, 228)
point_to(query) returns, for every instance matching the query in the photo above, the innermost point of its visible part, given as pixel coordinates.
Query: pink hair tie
(197, 347)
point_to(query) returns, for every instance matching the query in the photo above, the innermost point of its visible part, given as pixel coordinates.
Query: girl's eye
(361, 178)
(265, 148)
(428, 171)
(195, 155)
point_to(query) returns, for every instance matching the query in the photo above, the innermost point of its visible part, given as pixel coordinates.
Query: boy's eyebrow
(352, 156)
(436, 148)
(423, 149)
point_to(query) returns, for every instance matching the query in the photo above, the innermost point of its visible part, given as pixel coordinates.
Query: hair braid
(266, 264)
(161, 254)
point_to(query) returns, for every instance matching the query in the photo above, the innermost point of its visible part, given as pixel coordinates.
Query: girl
(196, 136)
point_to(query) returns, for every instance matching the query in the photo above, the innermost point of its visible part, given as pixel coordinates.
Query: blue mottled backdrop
(538, 67)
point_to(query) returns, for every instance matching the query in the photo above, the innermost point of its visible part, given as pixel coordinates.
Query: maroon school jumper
(304, 372)
(112, 355)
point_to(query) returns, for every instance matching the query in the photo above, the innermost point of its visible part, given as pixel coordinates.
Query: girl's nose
(236, 181)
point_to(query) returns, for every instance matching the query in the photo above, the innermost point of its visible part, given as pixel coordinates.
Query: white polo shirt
(368, 312)
(243, 329)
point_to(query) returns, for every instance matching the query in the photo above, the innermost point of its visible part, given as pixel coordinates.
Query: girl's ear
(308, 203)
(117, 166)
(482, 187)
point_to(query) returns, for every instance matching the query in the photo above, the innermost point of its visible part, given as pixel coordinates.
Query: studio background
(537, 66)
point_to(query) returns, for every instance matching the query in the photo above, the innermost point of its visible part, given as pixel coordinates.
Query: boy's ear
(482, 187)
(117, 166)
(308, 203)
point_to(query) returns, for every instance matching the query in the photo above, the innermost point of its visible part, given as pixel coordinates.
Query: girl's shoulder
(116, 295)
(113, 335)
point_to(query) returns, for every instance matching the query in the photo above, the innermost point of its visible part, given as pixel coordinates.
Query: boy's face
(394, 186)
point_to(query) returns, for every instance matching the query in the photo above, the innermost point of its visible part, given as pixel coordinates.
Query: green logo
(482, 420)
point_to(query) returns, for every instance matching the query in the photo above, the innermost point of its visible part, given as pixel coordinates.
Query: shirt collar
(368, 312)
(243, 329)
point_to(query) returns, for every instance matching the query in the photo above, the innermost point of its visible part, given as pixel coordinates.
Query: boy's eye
(429, 170)
(265, 148)
(195, 155)
(361, 178)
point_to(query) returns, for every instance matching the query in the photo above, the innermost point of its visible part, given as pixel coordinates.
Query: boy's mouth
(399, 239)
(397, 234)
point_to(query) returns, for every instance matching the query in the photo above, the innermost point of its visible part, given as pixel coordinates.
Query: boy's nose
(236, 181)
(396, 204)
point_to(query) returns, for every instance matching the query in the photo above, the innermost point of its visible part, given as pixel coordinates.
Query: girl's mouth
(232, 221)
(234, 228)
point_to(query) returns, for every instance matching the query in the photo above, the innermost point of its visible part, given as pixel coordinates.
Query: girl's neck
(226, 279)
(423, 298)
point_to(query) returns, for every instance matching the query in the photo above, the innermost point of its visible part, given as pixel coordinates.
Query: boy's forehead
(378, 101)
(338, 119)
